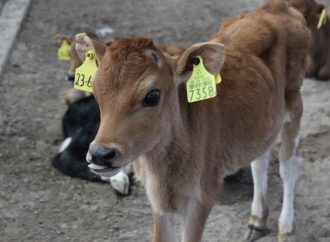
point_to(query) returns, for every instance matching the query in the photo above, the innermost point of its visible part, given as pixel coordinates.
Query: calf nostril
(110, 154)
(70, 77)
(103, 156)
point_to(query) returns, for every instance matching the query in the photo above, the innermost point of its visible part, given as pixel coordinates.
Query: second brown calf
(319, 55)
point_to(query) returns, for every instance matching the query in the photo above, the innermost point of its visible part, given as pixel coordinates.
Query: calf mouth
(106, 171)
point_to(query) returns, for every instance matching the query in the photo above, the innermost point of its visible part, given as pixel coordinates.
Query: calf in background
(72, 94)
(319, 54)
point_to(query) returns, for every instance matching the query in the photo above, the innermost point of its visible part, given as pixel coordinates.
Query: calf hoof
(255, 233)
(324, 73)
(289, 237)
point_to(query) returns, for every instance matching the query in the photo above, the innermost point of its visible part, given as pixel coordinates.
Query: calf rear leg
(259, 209)
(290, 163)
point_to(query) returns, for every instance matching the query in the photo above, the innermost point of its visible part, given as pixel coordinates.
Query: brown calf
(319, 56)
(182, 151)
(72, 94)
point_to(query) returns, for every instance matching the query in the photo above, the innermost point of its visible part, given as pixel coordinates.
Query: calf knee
(290, 169)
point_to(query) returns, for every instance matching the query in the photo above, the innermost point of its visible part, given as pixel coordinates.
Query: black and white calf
(80, 124)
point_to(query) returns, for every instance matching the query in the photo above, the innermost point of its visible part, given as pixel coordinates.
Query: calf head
(319, 54)
(75, 61)
(137, 89)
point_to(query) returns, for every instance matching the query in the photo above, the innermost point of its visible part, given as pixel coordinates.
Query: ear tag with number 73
(85, 73)
(202, 84)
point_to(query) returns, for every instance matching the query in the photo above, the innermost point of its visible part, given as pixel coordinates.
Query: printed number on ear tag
(85, 73)
(202, 84)
(322, 19)
(63, 52)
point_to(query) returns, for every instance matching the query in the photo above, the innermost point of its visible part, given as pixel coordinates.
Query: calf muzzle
(103, 156)
(70, 76)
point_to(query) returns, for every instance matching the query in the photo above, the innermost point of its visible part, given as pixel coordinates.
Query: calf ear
(85, 44)
(59, 38)
(75, 60)
(314, 13)
(212, 54)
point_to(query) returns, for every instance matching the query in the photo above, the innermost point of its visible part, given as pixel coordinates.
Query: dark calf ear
(313, 13)
(59, 38)
(212, 53)
(85, 44)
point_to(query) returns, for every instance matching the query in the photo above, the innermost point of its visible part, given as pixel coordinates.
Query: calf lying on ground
(182, 151)
(319, 56)
(80, 124)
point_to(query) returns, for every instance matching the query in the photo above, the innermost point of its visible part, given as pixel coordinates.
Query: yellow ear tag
(202, 84)
(218, 78)
(85, 73)
(63, 52)
(322, 19)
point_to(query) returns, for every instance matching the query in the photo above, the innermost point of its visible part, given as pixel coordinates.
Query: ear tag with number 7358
(85, 73)
(202, 84)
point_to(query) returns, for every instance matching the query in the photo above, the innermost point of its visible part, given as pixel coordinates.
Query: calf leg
(194, 219)
(164, 230)
(290, 162)
(259, 209)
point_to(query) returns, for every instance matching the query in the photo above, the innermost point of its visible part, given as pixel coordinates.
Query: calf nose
(103, 156)
(70, 76)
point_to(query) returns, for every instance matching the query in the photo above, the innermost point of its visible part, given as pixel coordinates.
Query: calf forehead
(125, 63)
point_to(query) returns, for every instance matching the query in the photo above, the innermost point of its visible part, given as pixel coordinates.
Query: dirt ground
(39, 204)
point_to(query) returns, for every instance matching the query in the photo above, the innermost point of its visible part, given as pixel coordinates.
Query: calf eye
(152, 98)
